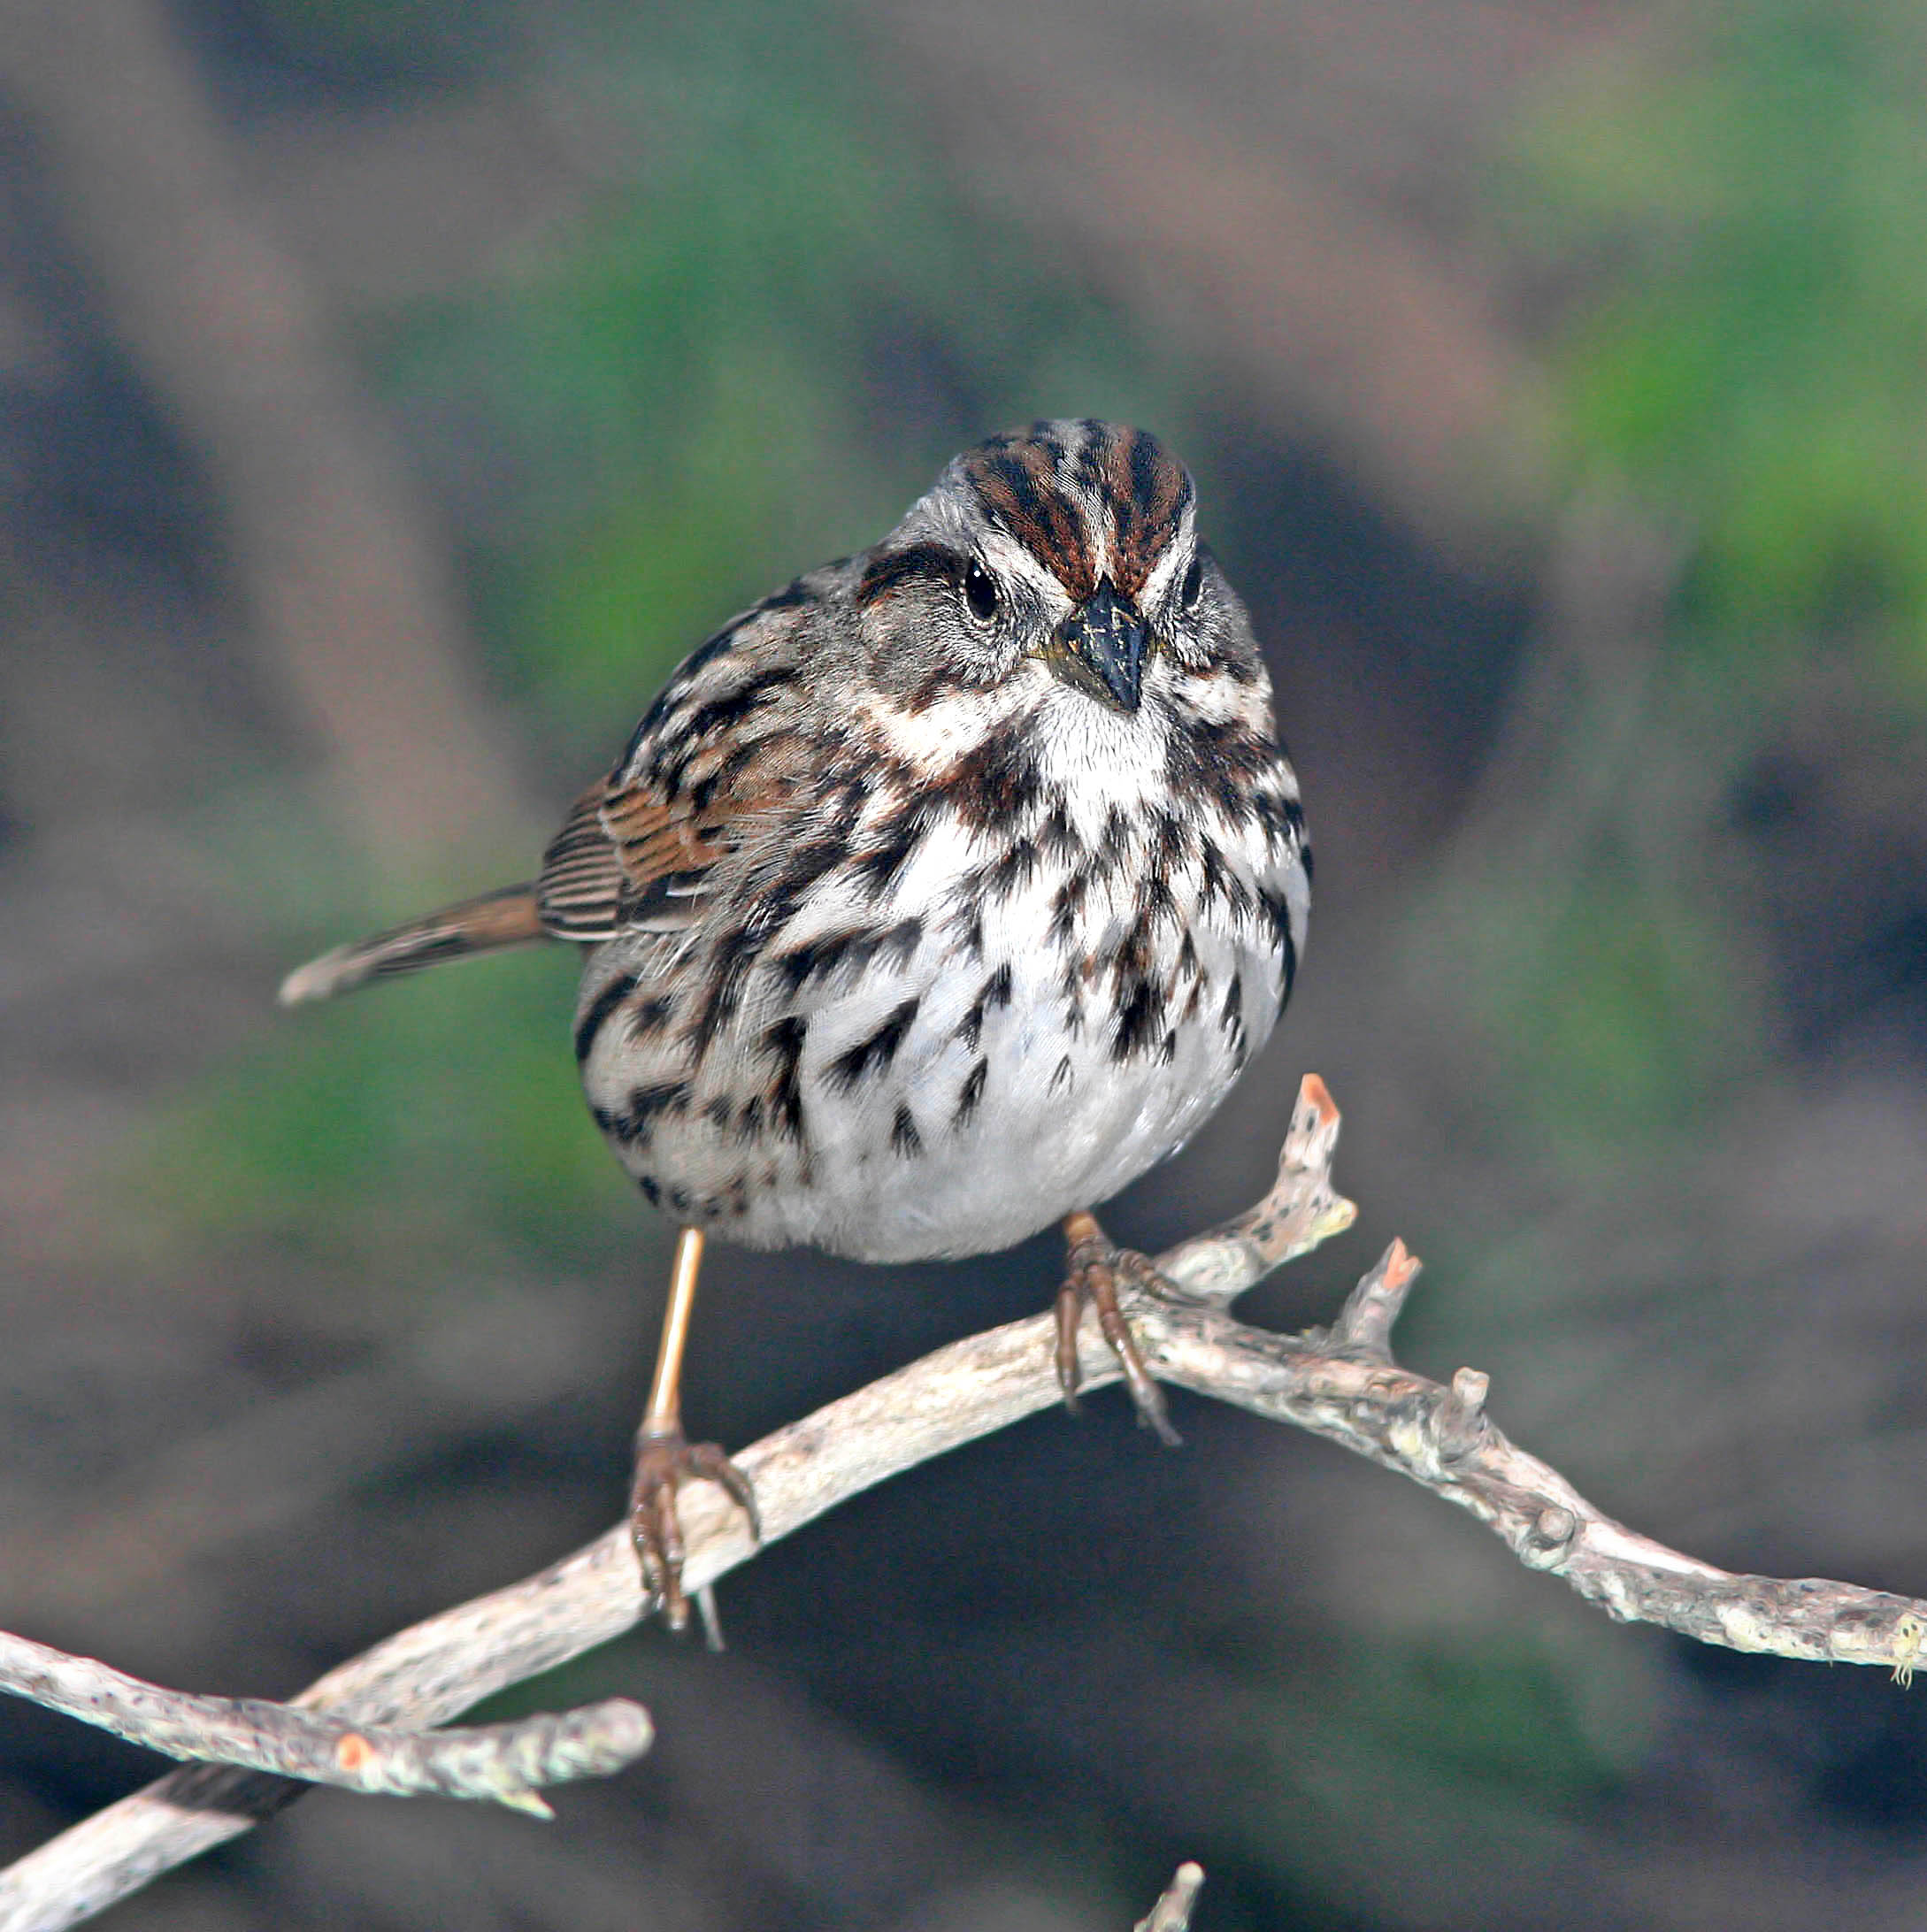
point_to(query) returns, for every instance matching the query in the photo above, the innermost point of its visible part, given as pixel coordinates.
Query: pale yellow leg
(664, 1457)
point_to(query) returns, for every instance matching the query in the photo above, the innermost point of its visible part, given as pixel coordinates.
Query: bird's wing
(626, 858)
(718, 762)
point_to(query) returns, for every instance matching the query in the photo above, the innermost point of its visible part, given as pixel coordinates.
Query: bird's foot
(663, 1460)
(1095, 1266)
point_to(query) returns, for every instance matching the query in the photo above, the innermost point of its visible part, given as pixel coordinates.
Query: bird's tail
(508, 917)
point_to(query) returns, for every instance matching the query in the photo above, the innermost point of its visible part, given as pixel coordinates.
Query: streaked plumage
(943, 892)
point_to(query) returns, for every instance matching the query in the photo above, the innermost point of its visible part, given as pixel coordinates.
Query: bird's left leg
(1094, 1265)
(664, 1457)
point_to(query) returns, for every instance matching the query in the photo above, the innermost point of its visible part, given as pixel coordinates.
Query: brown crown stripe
(1022, 484)
(1147, 489)
(1018, 489)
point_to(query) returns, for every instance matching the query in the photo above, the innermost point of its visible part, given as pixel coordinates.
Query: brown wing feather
(627, 857)
(637, 848)
(654, 839)
(580, 892)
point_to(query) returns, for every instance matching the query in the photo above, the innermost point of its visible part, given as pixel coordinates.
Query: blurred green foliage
(757, 344)
(1734, 209)
(750, 358)
(416, 1127)
(1757, 361)
(1411, 1749)
(1498, 1722)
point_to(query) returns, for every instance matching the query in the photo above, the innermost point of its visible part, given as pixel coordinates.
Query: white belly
(949, 1096)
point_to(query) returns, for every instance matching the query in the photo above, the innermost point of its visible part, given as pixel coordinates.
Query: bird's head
(1063, 556)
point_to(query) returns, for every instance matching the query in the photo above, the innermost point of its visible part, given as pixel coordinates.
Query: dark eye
(1194, 583)
(980, 591)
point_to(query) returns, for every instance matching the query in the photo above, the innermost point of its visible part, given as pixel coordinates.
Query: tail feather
(508, 917)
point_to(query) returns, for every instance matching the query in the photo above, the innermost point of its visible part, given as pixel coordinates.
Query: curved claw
(708, 1461)
(663, 1460)
(1093, 1265)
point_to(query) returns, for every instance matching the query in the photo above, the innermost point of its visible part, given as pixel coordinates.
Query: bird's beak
(1100, 649)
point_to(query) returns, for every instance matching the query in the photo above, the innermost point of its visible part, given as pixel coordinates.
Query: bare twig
(1365, 1323)
(501, 1762)
(1172, 1912)
(1302, 1210)
(1342, 1385)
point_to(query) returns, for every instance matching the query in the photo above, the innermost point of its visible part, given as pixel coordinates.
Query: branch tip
(1470, 1388)
(1910, 1638)
(1172, 1912)
(1365, 1323)
(530, 1803)
(1315, 1125)
(1399, 1266)
(1458, 1421)
(501, 1763)
(1299, 1212)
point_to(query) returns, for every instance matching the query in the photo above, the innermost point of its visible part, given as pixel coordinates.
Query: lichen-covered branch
(1341, 1384)
(505, 1763)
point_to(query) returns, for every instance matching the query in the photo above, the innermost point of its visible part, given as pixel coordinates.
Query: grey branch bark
(1341, 1384)
(505, 1763)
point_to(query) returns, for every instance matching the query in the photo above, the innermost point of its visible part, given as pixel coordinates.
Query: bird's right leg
(664, 1457)
(1094, 1264)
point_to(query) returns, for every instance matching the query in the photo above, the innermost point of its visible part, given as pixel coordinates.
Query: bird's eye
(1188, 591)
(981, 592)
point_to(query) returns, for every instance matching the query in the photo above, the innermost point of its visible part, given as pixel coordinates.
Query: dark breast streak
(707, 1078)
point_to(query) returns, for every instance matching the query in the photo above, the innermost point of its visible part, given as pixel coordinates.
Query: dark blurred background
(393, 389)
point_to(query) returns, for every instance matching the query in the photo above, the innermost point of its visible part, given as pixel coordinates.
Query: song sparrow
(934, 898)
